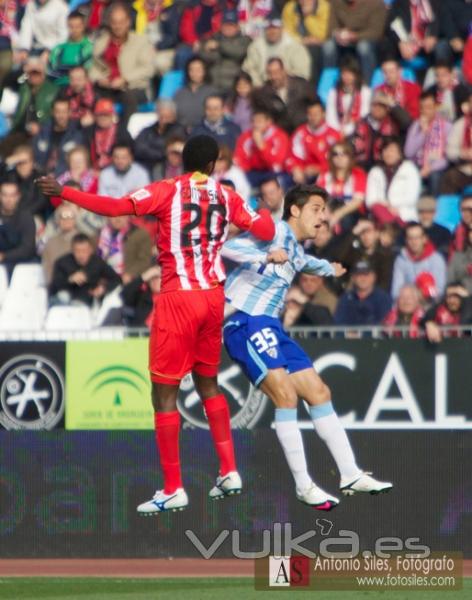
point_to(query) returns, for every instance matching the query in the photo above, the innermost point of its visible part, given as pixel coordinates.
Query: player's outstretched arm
(101, 205)
(260, 224)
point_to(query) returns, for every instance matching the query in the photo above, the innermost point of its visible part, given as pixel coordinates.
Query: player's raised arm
(260, 224)
(101, 205)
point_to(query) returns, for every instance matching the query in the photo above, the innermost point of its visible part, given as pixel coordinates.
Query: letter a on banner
(279, 571)
(394, 372)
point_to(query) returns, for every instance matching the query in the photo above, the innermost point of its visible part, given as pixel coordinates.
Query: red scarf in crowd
(467, 137)
(434, 146)
(353, 113)
(421, 16)
(393, 318)
(445, 317)
(103, 143)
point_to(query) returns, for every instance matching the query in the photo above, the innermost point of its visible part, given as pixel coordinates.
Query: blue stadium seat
(378, 78)
(447, 211)
(417, 64)
(328, 80)
(170, 84)
(4, 127)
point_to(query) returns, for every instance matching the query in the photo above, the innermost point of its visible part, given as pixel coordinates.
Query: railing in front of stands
(334, 332)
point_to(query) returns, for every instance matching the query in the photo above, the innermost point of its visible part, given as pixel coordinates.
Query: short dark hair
(199, 152)
(315, 102)
(217, 96)
(60, 99)
(429, 93)
(125, 145)
(299, 196)
(270, 179)
(75, 14)
(413, 225)
(466, 196)
(81, 238)
(276, 59)
(444, 63)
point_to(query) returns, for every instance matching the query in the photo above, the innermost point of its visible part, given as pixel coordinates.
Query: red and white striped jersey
(193, 212)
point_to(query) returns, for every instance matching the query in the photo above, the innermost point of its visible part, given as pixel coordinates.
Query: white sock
(328, 427)
(290, 438)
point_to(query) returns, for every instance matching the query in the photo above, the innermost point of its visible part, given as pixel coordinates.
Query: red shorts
(186, 334)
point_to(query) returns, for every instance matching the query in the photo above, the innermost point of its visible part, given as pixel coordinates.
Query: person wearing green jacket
(75, 52)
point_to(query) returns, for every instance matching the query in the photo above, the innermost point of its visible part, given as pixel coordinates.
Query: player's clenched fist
(278, 256)
(49, 186)
(339, 270)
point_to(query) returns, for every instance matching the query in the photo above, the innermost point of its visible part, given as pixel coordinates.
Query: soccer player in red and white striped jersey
(194, 213)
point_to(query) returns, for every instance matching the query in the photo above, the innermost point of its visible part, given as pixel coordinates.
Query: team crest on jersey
(141, 194)
(272, 352)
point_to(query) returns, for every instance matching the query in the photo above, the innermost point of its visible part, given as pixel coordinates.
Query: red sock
(167, 426)
(218, 416)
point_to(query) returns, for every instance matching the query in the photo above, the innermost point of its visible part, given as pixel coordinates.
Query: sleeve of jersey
(101, 205)
(317, 266)
(260, 224)
(243, 249)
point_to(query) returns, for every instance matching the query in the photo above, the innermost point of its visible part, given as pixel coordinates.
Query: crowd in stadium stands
(370, 99)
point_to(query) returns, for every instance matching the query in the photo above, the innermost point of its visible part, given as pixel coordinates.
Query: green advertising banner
(107, 385)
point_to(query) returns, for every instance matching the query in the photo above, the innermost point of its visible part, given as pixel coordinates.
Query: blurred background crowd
(370, 99)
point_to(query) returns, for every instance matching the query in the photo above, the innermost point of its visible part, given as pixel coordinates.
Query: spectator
(139, 295)
(460, 266)
(200, 21)
(263, 150)
(413, 29)
(125, 247)
(366, 246)
(104, 134)
(123, 175)
(364, 304)
(307, 21)
(450, 93)
(309, 145)
(75, 52)
(439, 235)
(300, 312)
(225, 51)
(426, 142)
(460, 234)
(35, 98)
(349, 100)
(81, 277)
(271, 196)
(317, 292)
(455, 18)
(174, 164)
(8, 34)
(239, 101)
(190, 99)
(355, 26)
(60, 243)
(276, 43)
(417, 258)
(17, 228)
(123, 62)
(404, 93)
(346, 185)
(385, 119)
(455, 309)
(161, 26)
(43, 26)
(78, 170)
(393, 187)
(81, 96)
(286, 97)
(216, 124)
(57, 137)
(253, 15)
(467, 60)
(150, 145)
(459, 152)
(225, 170)
(407, 311)
(20, 168)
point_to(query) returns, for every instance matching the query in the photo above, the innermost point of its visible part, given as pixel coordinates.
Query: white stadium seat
(3, 283)
(139, 121)
(69, 318)
(22, 312)
(27, 277)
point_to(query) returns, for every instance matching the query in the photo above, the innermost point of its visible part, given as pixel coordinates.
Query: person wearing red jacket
(263, 150)
(405, 93)
(310, 144)
(193, 211)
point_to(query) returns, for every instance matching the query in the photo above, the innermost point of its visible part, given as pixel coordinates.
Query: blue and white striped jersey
(257, 287)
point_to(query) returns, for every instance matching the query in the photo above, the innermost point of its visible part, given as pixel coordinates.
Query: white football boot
(161, 502)
(226, 485)
(317, 498)
(364, 484)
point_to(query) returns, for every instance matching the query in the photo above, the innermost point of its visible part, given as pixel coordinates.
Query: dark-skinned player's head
(200, 154)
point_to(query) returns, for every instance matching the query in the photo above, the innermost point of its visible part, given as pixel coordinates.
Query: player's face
(311, 217)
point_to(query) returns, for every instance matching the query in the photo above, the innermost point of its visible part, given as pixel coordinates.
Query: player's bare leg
(278, 386)
(167, 427)
(309, 386)
(228, 481)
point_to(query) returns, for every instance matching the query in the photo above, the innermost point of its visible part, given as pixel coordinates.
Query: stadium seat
(139, 121)
(171, 82)
(69, 318)
(27, 277)
(417, 63)
(23, 312)
(9, 102)
(328, 80)
(110, 301)
(3, 283)
(378, 77)
(447, 211)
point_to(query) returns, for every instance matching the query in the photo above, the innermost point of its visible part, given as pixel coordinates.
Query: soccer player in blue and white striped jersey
(255, 339)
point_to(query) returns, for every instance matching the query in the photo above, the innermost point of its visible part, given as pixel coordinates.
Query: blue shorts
(259, 343)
